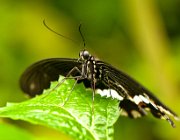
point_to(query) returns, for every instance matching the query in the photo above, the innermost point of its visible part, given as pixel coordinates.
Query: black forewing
(39, 75)
(133, 88)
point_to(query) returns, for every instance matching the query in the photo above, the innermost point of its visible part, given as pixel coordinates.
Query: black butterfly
(135, 100)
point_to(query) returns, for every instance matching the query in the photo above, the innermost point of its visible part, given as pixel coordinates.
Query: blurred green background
(139, 37)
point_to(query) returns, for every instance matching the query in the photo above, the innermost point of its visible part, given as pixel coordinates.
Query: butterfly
(135, 99)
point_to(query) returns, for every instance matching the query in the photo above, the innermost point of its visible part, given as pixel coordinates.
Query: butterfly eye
(84, 54)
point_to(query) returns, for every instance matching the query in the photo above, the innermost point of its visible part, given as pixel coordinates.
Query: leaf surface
(73, 113)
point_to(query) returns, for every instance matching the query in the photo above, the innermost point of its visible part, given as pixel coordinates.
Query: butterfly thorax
(89, 70)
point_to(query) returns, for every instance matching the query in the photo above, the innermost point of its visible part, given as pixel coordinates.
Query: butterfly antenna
(83, 39)
(44, 22)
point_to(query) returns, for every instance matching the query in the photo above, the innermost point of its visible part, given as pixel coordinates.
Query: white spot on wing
(162, 109)
(137, 99)
(109, 93)
(123, 113)
(144, 99)
(32, 86)
(135, 114)
(140, 98)
(150, 101)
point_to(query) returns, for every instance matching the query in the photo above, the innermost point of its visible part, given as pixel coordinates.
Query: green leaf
(73, 113)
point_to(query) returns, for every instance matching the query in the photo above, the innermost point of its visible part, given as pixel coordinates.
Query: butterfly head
(84, 55)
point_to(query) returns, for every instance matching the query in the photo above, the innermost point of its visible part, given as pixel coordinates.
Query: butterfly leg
(77, 79)
(65, 78)
(93, 86)
(109, 87)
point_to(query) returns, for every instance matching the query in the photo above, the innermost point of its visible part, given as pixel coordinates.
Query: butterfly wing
(38, 76)
(136, 98)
